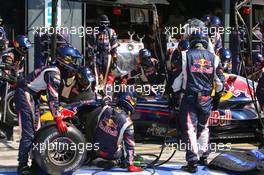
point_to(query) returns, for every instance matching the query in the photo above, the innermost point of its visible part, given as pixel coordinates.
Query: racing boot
(23, 169)
(191, 167)
(203, 161)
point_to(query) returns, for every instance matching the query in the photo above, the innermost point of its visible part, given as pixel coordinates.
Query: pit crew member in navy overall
(14, 58)
(198, 71)
(148, 72)
(18, 54)
(47, 79)
(174, 61)
(215, 37)
(114, 131)
(104, 44)
(226, 59)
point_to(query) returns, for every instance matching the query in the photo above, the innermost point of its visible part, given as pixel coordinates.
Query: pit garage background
(20, 16)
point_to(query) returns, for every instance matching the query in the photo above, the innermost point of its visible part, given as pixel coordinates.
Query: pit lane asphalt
(9, 151)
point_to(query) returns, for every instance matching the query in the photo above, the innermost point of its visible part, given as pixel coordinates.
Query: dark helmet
(184, 44)
(85, 77)
(198, 37)
(145, 58)
(224, 54)
(258, 58)
(104, 21)
(22, 43)
(206, 19)
(215, 21)
(127, 101)
(67, 56)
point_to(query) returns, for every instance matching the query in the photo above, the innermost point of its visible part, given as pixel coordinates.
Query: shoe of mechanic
(61, 125)
(132, 168)
(23, 169)
(203, 161)
(191, 167)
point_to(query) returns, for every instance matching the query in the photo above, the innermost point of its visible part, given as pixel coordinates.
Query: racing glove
(61, 125)
(132, 168)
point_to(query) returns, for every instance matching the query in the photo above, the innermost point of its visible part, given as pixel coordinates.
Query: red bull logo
(220, 120)
(202, 62)
(202, 66)
(239, 86)
(109, 126)
(110, 123)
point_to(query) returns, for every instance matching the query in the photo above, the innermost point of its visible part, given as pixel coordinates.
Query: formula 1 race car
(235, 118)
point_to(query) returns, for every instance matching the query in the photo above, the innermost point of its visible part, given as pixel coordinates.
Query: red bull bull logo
(238, 87)
(202, 66)
(110, 123)
(109, 126)
(220, 120)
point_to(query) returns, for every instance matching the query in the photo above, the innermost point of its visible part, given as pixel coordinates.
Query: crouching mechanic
(114, 132)
(199, 70)
(48, 80)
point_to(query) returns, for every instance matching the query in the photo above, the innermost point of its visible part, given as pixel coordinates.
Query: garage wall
(71, 16)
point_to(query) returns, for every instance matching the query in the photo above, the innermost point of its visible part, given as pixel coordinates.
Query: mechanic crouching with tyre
(198, 72)
(113, 132)
(48, 80)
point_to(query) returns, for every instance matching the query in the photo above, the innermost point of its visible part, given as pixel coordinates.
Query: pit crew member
(104, 45)
(114, 131)
(46, 80)
(215, 36)
(198, 71)
(226, 59)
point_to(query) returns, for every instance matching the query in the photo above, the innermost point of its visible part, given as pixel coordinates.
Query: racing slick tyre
(11, 116)
(56, 153)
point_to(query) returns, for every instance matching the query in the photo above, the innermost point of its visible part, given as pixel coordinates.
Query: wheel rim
(11, 106)
(59, 153)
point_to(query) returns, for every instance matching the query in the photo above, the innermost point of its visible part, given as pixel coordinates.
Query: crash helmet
(149, 65)
(192, 25)
(145, 57)
(127, 100)
(104, 21)
(215, 21)
(258, 59)
(67, 57)
(206, 19)
(22, 44)
(85, 77)
(198, 36)
(195, 23)
(184, 45)
(224, 54)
